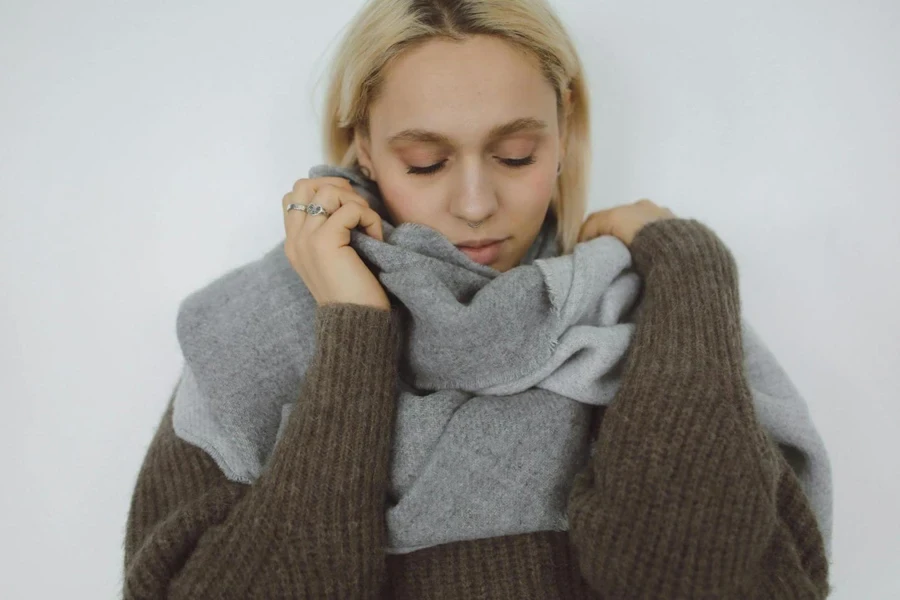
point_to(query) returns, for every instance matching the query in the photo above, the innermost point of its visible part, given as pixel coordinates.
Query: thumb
(597, 224)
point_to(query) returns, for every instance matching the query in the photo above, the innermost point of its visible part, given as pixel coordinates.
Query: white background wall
(145, 148)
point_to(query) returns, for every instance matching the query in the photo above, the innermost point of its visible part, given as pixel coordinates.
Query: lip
(486, 252)
(479, 243)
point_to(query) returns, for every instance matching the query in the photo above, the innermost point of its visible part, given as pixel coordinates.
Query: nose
(475, 199)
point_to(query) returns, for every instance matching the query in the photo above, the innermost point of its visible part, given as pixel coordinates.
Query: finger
(596, 225)
(305, 191)
(329, 192)
(586, 228)
(351, 216)
(317, 183)
(332, 199)
(293, 219)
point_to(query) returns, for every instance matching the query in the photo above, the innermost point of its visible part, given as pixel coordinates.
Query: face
(466, 131)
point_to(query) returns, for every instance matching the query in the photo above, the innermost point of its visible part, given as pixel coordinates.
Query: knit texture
(684, 496)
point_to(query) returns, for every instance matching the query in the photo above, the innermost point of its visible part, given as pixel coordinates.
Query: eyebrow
(496, 133)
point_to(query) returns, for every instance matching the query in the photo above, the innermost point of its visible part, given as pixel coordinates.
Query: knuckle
(331, 194)
(324, 191)
(349, 209)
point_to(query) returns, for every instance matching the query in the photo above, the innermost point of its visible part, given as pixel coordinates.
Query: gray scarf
(496, 382)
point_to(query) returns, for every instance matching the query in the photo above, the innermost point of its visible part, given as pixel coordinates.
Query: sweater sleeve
(312, 525)
(685, 495)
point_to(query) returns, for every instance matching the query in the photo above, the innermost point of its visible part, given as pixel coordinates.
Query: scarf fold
(496, 380)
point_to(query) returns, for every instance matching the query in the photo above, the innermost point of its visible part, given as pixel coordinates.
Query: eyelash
(509, 162)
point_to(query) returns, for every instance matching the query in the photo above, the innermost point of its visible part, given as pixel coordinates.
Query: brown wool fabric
(685, 496)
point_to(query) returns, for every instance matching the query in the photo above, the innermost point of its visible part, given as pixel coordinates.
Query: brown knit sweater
(685, 497)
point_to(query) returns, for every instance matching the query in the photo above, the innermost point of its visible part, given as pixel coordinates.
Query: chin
(503, 265)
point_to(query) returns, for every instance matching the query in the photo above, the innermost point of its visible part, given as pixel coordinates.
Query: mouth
(483, 253)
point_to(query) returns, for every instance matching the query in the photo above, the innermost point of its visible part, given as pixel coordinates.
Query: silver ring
(295, 207)
(316, 209)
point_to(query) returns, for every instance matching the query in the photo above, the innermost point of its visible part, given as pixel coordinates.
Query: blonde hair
(385, 28)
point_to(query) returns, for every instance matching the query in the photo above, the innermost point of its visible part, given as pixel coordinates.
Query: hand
(624, 222)
(318, 247)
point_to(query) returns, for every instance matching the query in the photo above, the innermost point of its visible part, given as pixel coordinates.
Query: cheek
(403, 201)
(534, 191)
(544, 181)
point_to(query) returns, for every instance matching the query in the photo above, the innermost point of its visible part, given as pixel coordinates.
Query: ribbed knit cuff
(330, 469)
(346, 321)
(344, 412)
(681, 471)
(351, 379)
(693, 277)
(354, 331)
(681, 243)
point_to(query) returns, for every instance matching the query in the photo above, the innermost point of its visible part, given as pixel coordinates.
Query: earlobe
(363, 157)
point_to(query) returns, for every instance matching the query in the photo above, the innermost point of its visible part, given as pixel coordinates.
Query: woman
(471, 116)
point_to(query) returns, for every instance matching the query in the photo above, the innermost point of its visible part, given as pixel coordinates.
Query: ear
(363, 147)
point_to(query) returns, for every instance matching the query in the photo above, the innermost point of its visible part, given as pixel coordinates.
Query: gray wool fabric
(497, 377)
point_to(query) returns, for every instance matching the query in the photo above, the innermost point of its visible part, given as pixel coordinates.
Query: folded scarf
(497, 377)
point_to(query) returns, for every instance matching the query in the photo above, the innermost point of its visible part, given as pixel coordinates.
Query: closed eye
(518, 162)
(427, 170)
(509, 162)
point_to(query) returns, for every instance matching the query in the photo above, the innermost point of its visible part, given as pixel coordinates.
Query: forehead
(461, 89)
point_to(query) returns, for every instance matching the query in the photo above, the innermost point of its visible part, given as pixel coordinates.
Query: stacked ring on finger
(317, 209)
(312, 209)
